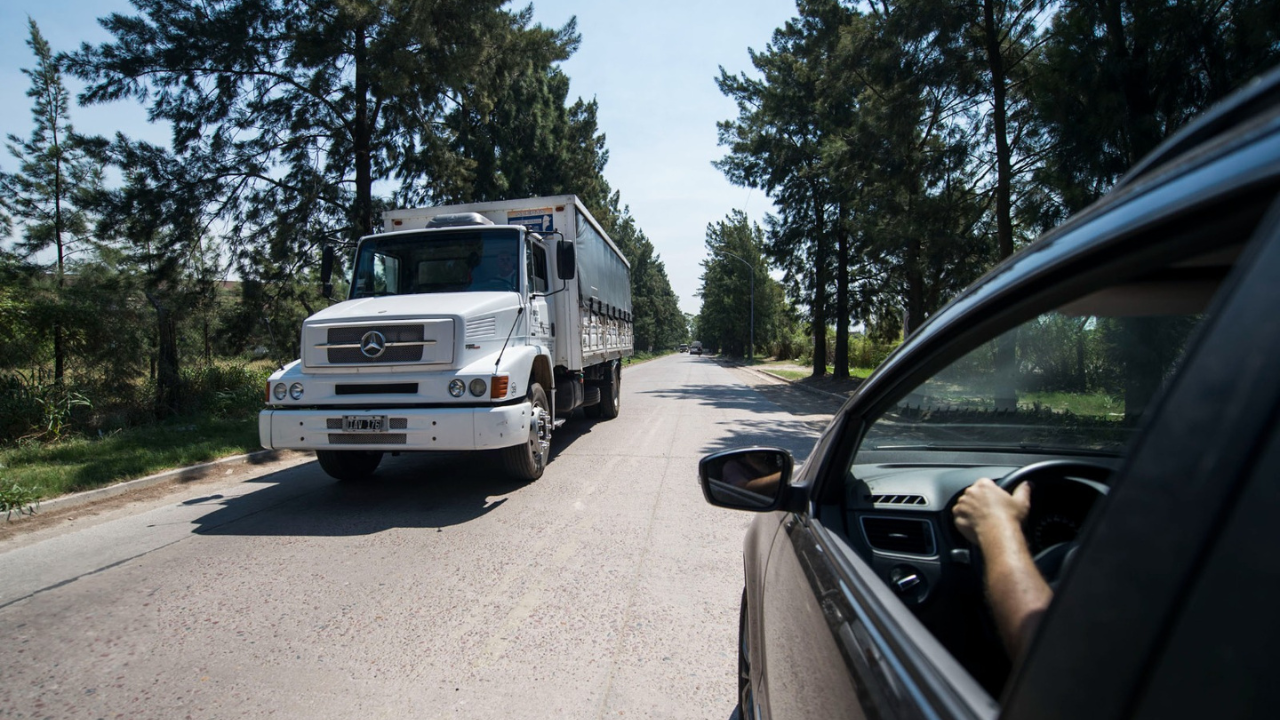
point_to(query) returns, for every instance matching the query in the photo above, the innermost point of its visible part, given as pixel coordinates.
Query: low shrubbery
(865, 353)
(33, 409)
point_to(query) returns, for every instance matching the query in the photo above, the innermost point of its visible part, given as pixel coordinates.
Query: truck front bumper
(408, 430)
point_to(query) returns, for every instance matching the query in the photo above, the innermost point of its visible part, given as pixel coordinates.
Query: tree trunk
(363, 210)
(842, 296)
(59, 352)
(168, 389)
(915, 288)
(819, 310)
(1133, 77)
(1000, 122)
(1006, 390)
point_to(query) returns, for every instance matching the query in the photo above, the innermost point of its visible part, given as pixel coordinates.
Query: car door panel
(806, 671)
(843, 652)
(1219, 659)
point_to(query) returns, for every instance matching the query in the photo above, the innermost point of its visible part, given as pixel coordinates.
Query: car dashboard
(897, 516)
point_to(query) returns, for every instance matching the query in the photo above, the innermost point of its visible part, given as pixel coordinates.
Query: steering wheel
(492, 284)
(1046, 477)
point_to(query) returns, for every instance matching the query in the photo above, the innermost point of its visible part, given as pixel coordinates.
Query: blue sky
(651, 65)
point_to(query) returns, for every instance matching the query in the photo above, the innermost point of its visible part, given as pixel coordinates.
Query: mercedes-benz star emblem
(373, 343)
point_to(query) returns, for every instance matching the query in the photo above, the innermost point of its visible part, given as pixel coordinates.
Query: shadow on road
(797, 438)
(414, 490)
(410, 491)
(810, 413)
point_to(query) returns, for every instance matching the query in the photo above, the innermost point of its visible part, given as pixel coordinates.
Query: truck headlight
(457, 387)
(278, 392)
(295, 391)
(478, 387)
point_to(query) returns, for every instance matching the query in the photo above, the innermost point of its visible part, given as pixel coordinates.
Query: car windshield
(1059, 384)
(434, 262)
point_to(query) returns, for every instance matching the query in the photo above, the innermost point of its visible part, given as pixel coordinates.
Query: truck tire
(349, 465)
(611, 394)
(527, 460)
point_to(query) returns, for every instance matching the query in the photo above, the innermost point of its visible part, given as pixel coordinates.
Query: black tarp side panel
(603, 275)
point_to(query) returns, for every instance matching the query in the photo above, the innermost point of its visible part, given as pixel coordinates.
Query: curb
(800, 386)
(792, 383)
(193, 472)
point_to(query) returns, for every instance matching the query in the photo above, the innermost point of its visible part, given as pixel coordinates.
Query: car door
(833, 640)
(540, 319)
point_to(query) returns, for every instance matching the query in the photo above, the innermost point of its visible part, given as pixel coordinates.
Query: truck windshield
(438, 261)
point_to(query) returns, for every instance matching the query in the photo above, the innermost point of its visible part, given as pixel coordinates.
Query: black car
(1127, 364)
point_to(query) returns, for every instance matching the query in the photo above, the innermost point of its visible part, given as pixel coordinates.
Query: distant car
(684, 347)
(696, 348)
(1138, 396)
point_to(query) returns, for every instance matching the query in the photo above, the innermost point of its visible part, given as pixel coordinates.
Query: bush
(223, 391)
(36, 410)
(19, 498)
(792, 346)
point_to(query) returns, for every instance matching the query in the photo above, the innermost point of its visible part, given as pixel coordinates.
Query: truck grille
(393, 352)
(367, 438)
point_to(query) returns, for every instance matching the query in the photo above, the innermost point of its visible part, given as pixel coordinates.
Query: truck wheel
(527, 460)
(349, 465)
(611, 394)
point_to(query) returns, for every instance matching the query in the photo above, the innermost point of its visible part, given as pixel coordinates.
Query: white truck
(467, 327)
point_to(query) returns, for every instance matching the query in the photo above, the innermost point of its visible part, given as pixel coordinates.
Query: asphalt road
(608, 588)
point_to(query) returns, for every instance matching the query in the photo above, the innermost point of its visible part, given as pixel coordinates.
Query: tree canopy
(909, 144)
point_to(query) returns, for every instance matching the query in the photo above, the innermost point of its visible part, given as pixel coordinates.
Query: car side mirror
(752, 478)
(566, 259)
(326, 271)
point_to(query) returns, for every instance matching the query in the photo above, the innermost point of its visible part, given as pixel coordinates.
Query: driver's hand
(985, 507)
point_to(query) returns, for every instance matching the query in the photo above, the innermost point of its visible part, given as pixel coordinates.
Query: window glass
(1061, 383)
(538, 268)
(432, 262)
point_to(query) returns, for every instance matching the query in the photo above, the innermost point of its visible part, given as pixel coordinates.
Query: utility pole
(751, 346)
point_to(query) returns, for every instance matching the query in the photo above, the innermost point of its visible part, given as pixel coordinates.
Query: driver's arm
(992, 519)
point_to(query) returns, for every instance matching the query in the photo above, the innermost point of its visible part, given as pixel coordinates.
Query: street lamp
(752, 343)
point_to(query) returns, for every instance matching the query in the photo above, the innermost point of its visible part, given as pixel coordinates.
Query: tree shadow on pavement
(796, 437)
(415, 490)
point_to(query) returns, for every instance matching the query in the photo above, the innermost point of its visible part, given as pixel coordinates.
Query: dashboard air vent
(899, 535)
(897, 500)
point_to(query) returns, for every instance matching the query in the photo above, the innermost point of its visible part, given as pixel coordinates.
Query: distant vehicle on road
(1123, 366)
(696, 348)
(684, 347)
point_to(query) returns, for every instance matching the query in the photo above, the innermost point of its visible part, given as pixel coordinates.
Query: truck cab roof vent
(458, 219)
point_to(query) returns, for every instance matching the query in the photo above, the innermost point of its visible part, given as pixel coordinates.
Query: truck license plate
(364, 423)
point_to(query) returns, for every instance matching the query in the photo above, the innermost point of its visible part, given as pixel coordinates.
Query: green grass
(640, 357)
(79, 464)
(790, 374)
(1094, 404)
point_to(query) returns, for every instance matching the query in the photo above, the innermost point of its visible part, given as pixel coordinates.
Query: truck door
(540, 319)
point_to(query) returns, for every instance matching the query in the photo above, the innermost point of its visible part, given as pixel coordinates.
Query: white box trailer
(467, 327)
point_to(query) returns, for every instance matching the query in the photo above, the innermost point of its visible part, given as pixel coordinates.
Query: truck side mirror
(326, 271)
(566, 259)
